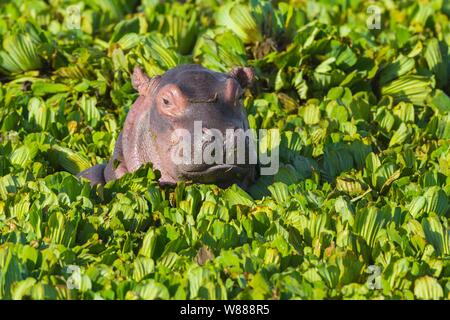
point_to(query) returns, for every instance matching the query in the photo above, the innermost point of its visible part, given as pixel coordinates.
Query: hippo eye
(165, 101)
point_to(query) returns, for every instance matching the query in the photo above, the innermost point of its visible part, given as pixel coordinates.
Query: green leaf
(437, 235)
(279, 192)
(368, 223)
(67, 159)
(441, 102)
(41, 88)
(400, 135)
(428, 288)
(91, 112)
(397, 68)
(20, 53)
(414, 89)
(437, 61)
(240, 19)
(236, 196)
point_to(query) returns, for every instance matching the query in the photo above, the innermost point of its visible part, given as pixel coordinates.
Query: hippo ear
(243, 75)
(142, 82)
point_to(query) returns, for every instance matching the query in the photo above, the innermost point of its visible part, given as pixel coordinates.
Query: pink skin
(138, 143)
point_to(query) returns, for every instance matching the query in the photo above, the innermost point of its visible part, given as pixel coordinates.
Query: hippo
(181, 98)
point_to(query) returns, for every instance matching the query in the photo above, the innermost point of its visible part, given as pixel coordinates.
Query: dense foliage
(359, 209)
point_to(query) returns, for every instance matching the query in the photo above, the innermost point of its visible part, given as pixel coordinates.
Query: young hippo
(175, 100)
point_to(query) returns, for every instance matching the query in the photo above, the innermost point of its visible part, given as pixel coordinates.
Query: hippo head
(183, 113)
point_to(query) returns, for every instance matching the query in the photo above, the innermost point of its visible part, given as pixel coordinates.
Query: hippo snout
(222, 156)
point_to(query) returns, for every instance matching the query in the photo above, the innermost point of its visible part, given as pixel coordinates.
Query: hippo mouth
(221, 174)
